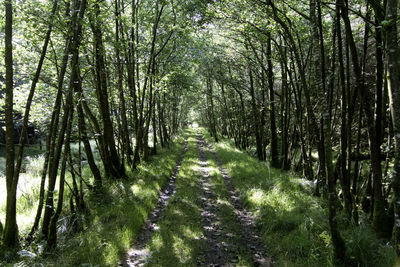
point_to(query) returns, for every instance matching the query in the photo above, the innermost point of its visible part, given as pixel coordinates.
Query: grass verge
(293, 223)
(113, 218)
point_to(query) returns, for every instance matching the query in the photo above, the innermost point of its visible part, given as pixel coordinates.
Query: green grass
(226, 216)
(27, 193)
(118, 214)
(29, 184)
(30, 151)
(179, 240)
(294, 223)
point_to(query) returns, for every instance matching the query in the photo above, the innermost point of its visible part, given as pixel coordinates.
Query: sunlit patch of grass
(256, 196)
(27, 195)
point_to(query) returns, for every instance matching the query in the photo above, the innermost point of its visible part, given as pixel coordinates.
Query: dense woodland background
(98, 86)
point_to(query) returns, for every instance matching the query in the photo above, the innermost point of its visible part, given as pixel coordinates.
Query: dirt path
(216, 254)
(229, 232)
(137, 255)
(225, 245)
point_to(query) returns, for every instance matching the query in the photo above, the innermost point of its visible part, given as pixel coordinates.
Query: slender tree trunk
(54, 161)
(10, 237)
(83, 131)
(379, 215)
(256, 117)
(52, 236)
(274, 135)
(345, 179)
(124, 133)
(51, 137)
(112, 164)
(393, 63)
(31, 94)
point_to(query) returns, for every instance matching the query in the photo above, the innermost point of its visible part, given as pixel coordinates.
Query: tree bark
(127, 148)
(379, 213)
(52, 237)
(35, 80)
(112, 162)
(256, 117)
(83, 130)
(274, 135)
(344, 177)
(393, 57)
(55, 159)
(10, 237)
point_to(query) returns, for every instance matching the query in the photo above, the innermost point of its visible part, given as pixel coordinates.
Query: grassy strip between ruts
(228, 222)
(179, 239)
(293, 223)
(115, 216)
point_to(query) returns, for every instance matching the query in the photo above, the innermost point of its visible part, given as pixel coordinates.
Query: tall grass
(112, 220)
(116, 215)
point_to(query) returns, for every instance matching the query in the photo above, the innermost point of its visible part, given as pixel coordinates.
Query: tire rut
(138, 254)
(215, 255)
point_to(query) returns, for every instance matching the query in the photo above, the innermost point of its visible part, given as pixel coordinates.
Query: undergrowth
(294, 223)
(112, 220)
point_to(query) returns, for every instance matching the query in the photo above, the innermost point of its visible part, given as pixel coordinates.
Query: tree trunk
(112, 160)
(35, 80)
(10, 237)
(82, 128)
(57, 146)
(126, 144)
(52, 236)
(274, 135)
(344, 177)
(394, 93)
(51, 137)
(379, 215)
(256, 117)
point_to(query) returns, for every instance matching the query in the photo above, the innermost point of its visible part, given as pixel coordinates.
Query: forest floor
(199, 219)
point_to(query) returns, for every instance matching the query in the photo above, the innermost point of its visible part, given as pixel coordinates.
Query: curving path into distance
(203, 224)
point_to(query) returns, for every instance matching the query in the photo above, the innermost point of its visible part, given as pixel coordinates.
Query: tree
(10, 229)
(393, 57)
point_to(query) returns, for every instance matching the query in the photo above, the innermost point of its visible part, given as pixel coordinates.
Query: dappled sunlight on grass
(181, 249)
(227, 220)
(118, 213)
(288, 217)
(27, 200)
(256, 196)
(293, 222)
(178, 242)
